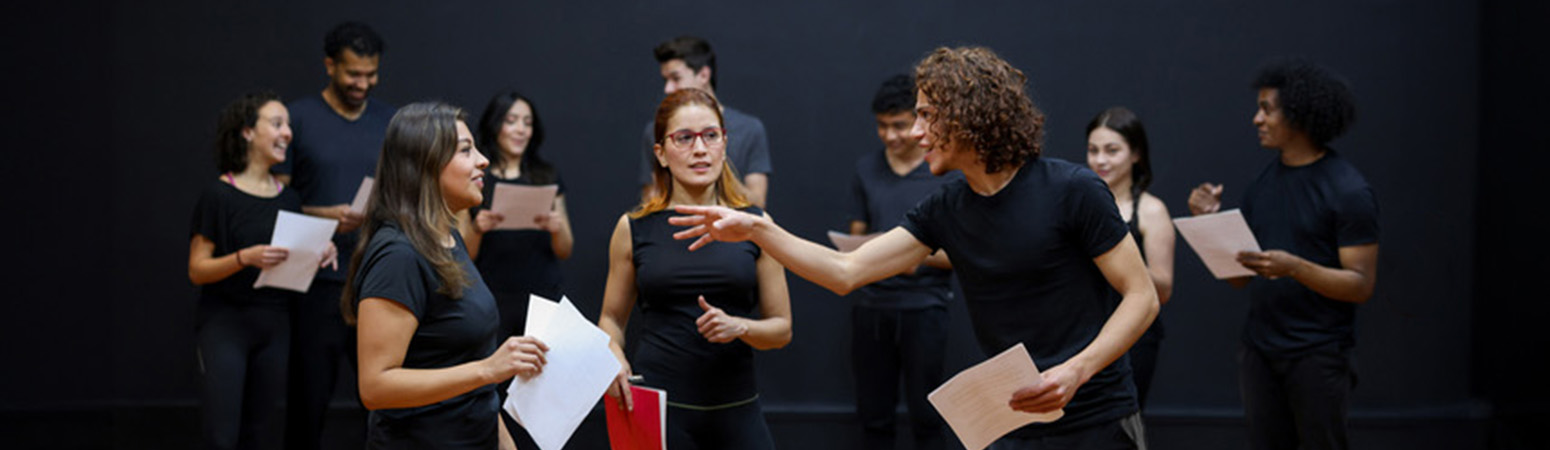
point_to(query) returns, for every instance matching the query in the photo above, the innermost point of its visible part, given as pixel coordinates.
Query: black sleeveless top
(671, 354)
(1134, 224)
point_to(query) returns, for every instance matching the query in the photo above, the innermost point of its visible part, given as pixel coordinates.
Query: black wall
(118, 101)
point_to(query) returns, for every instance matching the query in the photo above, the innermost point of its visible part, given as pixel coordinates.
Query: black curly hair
(356, 36)
(231, 149)
(1314, 99)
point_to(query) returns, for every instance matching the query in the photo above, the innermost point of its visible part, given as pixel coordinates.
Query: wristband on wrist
(239, 259)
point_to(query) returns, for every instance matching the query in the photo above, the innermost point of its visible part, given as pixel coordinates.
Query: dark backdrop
(116, 104)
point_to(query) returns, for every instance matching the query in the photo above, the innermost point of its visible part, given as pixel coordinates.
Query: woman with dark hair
(1118, 152)
(516, 263)
(698, 330)
(242, 332)
(426, 324)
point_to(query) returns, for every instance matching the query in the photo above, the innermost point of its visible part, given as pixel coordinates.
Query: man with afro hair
(1318, 219)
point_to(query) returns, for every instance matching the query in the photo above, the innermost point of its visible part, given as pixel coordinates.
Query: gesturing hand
(719, 327)
(1205, 199)
(330, 256)
(521, 356)
(713, 223)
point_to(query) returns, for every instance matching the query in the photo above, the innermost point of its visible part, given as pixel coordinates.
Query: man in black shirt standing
(1318, 219)
(1037, 244)
(898, 325)
(338, 138)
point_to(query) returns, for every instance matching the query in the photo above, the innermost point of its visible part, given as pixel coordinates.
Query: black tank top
(1156, 329)
(671, 354)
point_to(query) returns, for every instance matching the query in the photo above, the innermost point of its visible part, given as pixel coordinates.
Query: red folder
(642, 428)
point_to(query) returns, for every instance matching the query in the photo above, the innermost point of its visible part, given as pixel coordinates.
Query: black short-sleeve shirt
(330, 155)
(518, 262)
(1024, 258)
(234, 220)
(1309, 211)
(880, 197)
(450, 332)
(671, 353)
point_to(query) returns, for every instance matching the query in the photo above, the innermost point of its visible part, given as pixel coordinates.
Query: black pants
(1297, 403)
(1123, 434)
(888, 343)
(739, 427)
(242, 356)
(320, 342)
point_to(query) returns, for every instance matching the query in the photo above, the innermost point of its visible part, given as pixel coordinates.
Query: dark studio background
(115, 104)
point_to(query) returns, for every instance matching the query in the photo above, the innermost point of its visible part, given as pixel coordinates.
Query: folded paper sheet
(579, 369)
(522, 204)
(305, 238)
(1218, 238)
(974, 402)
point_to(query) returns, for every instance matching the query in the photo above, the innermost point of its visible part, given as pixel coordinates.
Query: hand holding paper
(975, 401)
(1218, 238)
(305, 239)
(577, 368)
(521, 205)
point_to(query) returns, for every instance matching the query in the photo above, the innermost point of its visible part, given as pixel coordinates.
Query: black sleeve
(1356, 217)
(921, 221)
(393, 272)
(1092, 215)
(206, 220)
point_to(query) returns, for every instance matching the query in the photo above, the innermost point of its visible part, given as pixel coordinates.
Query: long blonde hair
(420, 141)
(729, 190)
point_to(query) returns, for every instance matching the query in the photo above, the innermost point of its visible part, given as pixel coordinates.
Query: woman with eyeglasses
(702, 315)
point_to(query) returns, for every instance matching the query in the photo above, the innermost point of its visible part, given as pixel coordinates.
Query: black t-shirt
(671, 353)
(330, 155)
(450, 332)
(1024, 258)
(880, 198)
(1309, 211)
(516, 263)
(234, 220)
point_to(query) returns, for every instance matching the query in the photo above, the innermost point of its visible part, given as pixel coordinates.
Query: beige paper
(522, 204)
(362, 195)
(974, 402)
(1218, 238)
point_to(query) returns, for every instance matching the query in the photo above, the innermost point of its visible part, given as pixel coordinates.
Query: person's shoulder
(741, 120)
(1340, 167)
(307, 105)
(380, 107)
(1152, 206)
(870, 160)
(1060, 171)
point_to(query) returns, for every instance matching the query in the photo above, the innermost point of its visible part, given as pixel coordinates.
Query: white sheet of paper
(974, 402)
(520, 204)
(362, 195)
(305, 238)
(580, 368)
(1218, 238)
(846, 243)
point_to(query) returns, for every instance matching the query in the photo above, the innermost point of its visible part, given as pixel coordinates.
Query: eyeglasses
(712, 137)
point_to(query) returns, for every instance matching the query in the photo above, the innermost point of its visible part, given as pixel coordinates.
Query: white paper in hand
(1218, 238)
(305, 238)
(847, 243)
(580, 368)
(522, 204)
(974, 402)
